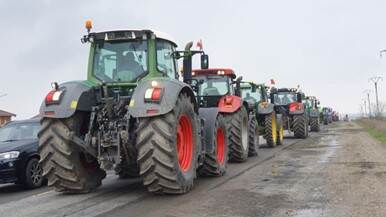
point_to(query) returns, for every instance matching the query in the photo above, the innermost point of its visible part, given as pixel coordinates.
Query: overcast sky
(329, 47)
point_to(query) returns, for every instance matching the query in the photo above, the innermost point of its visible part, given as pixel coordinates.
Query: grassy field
(376, 128)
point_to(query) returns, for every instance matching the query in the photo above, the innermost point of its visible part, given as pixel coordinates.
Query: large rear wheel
(315, 124)
(168, 148)
(271, 129)
(65, 166)
(215, 163)
(253, 137)
(300, 126)
(238, 128)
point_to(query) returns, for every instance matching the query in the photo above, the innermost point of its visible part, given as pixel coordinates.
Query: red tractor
(216, 95)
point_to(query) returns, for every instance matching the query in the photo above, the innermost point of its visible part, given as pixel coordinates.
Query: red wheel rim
(220, 140)
(184, 142)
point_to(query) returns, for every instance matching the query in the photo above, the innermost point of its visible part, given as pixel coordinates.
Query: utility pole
(367, 92)
(364, 102)
(375, 80)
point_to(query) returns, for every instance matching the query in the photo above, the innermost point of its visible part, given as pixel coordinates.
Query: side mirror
(272, 96)
(299, 97)
(238, 86)
(254, 88)
(204, 61)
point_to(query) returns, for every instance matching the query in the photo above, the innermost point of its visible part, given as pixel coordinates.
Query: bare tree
(381, 107)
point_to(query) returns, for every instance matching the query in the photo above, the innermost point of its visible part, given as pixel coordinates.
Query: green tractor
(269, 122)
(313, 111)
(132, 115)
(289, 103)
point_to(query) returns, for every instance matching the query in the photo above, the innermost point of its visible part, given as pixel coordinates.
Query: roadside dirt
(337, 173)
(379, 124)
(357, 175)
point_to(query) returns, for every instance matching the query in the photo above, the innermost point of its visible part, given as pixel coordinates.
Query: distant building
(5, 117)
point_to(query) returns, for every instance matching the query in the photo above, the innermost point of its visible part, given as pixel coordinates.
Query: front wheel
(168, 147)
(215, 163)
(33, 174)
(253, 134)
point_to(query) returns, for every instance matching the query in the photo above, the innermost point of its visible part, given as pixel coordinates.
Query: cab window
(165, 62)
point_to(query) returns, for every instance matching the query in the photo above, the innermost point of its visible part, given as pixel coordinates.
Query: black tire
(33, 174)
(64, 164)
(315, 124)
(158, 153)
(280, 135)
(300, 126)
(214, 165)
(253, 134)
(270, 129)
(237, 125)
(131, 171)
(325, 121)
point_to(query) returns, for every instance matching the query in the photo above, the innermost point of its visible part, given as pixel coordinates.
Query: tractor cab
(289, 99)
(126, 56)
(212, 85)
(253, 93)
(312, 103)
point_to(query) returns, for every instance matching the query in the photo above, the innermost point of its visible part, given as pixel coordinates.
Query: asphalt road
(301, 178)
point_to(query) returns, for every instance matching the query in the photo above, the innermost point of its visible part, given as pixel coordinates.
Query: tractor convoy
(136, 115)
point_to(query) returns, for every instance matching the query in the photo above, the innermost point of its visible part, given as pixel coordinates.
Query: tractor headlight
(9, 155)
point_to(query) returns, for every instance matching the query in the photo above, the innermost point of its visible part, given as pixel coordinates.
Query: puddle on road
(331, 148)
(308, 213)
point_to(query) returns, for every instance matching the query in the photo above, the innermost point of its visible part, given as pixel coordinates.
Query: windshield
(249, 96)
(285, 98)
(120, 61)
(213, 86)
(19, 131)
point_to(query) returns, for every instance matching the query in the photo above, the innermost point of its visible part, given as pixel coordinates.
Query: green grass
(379, 135)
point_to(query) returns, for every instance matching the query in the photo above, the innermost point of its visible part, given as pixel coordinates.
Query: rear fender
(314, 114)
(171, 89)
(296, 111)
(265, 108)
(76, 96)
(209, 115)
(230, 104)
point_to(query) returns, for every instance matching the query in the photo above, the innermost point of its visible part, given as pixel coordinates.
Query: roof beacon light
(88, 25)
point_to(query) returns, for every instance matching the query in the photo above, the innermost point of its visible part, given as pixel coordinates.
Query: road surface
(340, 171)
